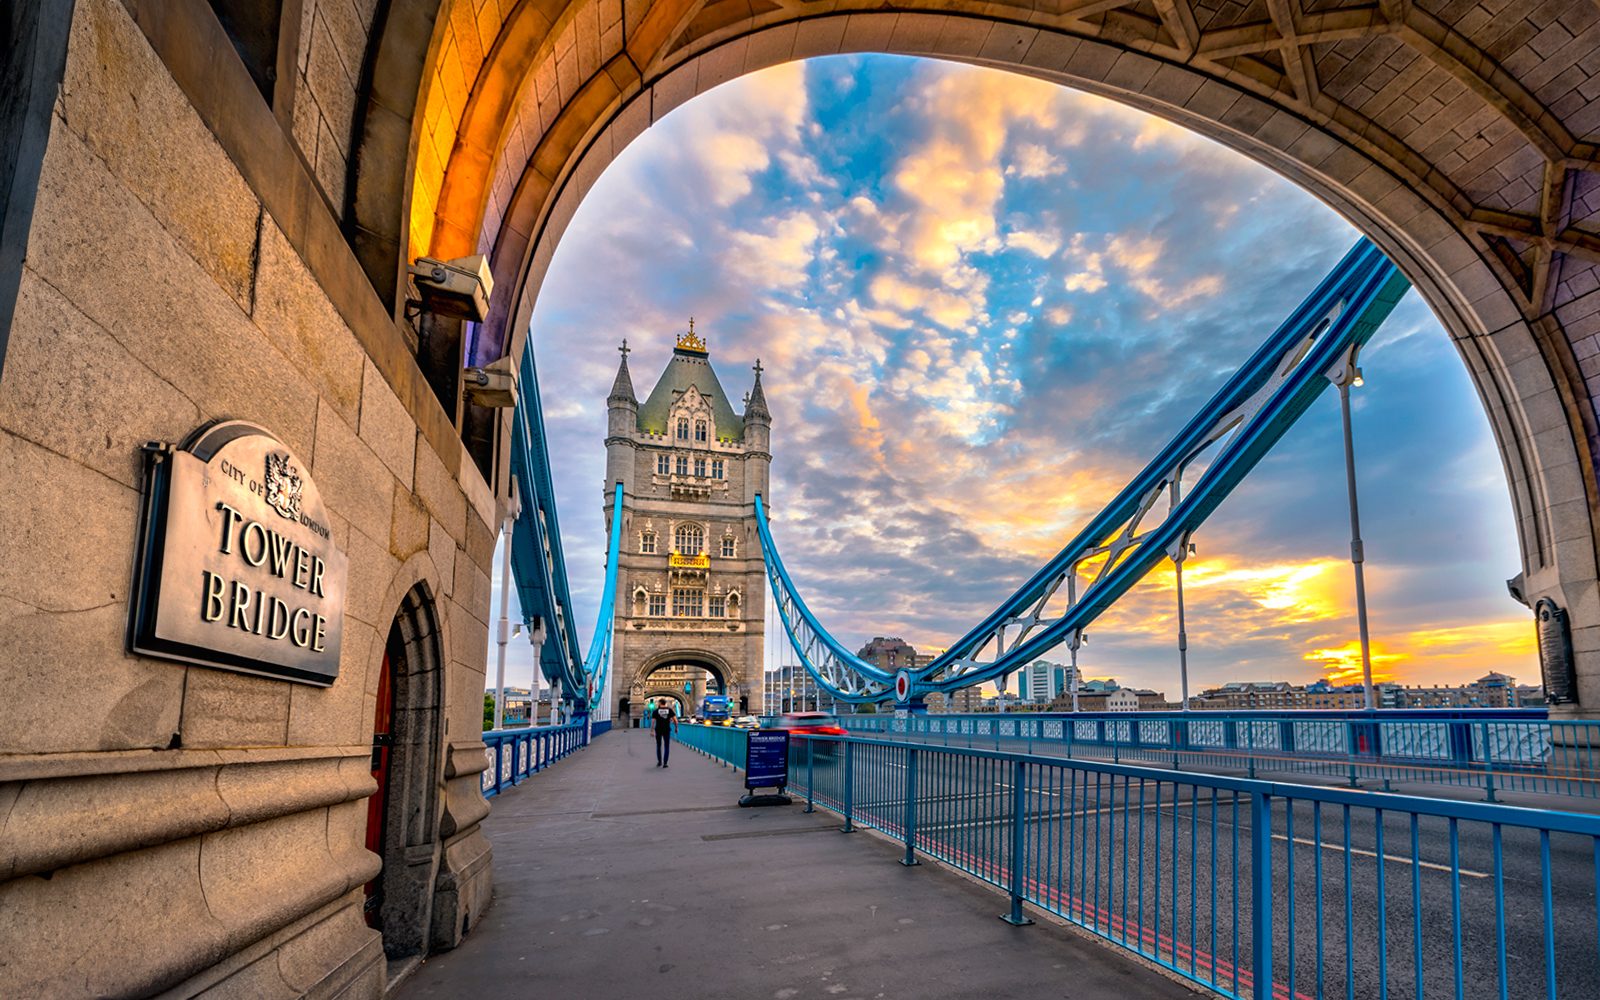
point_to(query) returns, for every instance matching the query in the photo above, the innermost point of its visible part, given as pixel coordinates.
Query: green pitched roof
(689, 367)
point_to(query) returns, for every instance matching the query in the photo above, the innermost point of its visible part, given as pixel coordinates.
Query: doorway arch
(409, 836)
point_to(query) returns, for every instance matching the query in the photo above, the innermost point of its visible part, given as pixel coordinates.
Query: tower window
(727, 547)
(716, 468)
(700, 467)
(687, 602)
(663, 465)
(658, 605)
(688, 540)
(699, 430)
(647, 543)
(683, 428)
(683, 466)
(717, 606)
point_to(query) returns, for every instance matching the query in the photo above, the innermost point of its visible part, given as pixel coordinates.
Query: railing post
(849, 786)
(1350, 749)
(1019, 801)
(910, 821)
(1488, 761)
(811, 774)
(1261, 893)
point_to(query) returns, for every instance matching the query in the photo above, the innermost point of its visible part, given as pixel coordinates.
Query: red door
(381, 744)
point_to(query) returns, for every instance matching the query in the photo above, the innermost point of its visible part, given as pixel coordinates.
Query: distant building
(889, 654)
(1493, 690)
(1042, 680)
(966, 700)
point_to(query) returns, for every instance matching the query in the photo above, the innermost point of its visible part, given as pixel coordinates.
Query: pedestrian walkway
(615, 878)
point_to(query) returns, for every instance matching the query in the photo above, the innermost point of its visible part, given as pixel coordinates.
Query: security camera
(493, 386)
(1518, 589)
(458, 288)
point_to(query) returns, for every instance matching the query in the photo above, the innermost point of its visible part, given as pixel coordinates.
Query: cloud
(778, 256)
(1040, 244)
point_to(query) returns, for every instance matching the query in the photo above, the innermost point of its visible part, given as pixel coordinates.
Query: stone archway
(1437, 134)
(646, 681)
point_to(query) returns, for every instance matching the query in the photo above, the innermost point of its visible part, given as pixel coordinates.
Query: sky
(982, 303)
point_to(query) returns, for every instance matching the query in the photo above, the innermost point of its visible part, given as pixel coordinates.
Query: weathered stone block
(367, 587)
(439, 490)
(337, 716)
(53, 824)
(442, 549)
(120, 99)
(353, 480)
(69, 538)
(408, 532)
(87, 931)
(69, 385)
(296, 315)
(721, 64)
(261, 877)
(135, 282)
(224, 709)
(867, 32)
(386, 427)
(820, 37)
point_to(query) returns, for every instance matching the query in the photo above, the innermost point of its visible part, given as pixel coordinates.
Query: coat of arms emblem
(285, 489)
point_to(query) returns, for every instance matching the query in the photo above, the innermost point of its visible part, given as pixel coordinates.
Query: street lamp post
(1178, 554)
(513, 508)
(1345, 374)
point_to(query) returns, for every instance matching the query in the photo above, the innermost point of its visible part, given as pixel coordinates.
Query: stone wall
(181, 827)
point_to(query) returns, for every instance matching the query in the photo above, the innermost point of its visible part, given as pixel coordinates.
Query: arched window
(700, 467)
(683, 466)
(663, 465)
(727, 547)
(716, 468)
(699, 430)
(683, 428)
(647, 543)
(688, 540)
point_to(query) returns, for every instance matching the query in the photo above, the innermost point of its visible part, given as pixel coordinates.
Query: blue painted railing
(1492, 749)
(516, 753)
(724, 744)
(1255, 889)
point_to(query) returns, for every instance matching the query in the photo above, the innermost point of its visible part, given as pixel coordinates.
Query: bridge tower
(691, 582)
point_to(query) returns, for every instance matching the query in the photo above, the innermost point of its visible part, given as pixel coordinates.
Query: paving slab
(615, 878)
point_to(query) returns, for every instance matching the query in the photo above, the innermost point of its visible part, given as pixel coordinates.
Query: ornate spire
(622, 388)
(755, 404)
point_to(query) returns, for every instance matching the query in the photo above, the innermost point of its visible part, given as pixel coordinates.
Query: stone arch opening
(666, 673)
(1497, 270)
(413, 791)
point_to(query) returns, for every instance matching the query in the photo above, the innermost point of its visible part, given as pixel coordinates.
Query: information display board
(767, 758)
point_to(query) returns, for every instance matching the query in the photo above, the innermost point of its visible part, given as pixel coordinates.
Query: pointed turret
(622, 413)
(755, 404)
(757, 438)
(622, 388)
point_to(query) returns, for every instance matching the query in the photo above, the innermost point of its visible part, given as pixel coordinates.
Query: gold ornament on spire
(690, 341)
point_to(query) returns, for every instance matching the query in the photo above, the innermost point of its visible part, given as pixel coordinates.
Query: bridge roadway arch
(208, 214)
(646, 681)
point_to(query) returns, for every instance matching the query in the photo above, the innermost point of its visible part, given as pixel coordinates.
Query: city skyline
(982, 303)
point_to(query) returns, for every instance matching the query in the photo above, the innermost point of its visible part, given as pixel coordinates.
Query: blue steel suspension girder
(536, 555)
(1256, 405)
(1354, 327)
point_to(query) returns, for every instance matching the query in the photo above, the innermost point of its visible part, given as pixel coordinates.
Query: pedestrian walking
(666, 725)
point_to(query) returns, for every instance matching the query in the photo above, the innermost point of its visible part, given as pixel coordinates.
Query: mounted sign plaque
(237, 568)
